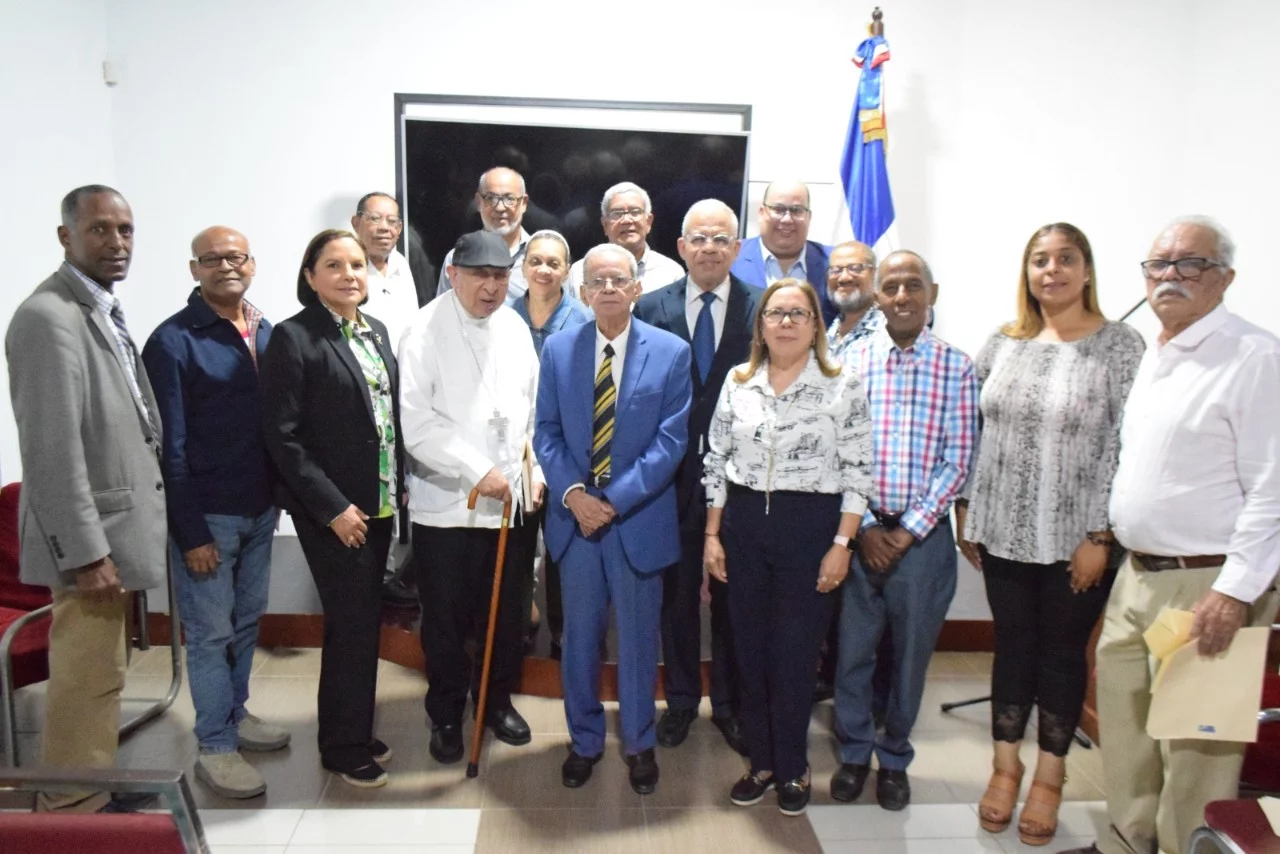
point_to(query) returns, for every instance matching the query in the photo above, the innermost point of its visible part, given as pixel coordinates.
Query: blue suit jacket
(651, 432)
(749, 267)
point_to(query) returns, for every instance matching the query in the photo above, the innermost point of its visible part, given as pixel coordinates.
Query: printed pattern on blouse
(924, 414)
(814, 437)
(1049, 441)
(360, 336)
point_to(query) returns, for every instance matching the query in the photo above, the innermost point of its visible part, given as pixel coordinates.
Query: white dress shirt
(693, 306)
(393, 299)
(1200, 455)
(447, 403)
(653, 269)
(814, 437)
(773, 268)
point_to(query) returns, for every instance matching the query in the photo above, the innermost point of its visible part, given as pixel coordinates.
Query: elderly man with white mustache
(1196, 500)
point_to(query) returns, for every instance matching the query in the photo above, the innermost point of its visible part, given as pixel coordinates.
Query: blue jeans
(220, 611)
(911, 602)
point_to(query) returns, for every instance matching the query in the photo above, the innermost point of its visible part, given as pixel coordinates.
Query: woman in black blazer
(332, 429)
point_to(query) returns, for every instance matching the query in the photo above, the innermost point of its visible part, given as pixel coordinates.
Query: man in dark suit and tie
(612, 428)
(714, 311)
(783, 250)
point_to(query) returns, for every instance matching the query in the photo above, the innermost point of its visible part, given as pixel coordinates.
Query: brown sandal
(1039, 819)
(995, 810)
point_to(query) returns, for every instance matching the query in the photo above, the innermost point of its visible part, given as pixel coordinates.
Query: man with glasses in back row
(501, 200)
(783, 248)
(626, 215)
(203, 365)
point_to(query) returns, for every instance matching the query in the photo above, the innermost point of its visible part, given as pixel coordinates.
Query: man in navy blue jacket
(783, 250)
(203, 364)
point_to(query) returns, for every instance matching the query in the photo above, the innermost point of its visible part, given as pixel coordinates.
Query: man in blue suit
(612, 428)
(783, 249)
(713, 311)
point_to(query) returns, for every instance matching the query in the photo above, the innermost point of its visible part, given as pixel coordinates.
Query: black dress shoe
(509, 727)
(446, 744)
(673, 728)
(750, 790)
(644, 772)
(893, 792)
(732, 732)
(847, 783)
(793, 796)
(576, 770)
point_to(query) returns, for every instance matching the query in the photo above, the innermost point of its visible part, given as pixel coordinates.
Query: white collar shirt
(393, 299)
(1199, 470)
(619, 353)
(693, 306)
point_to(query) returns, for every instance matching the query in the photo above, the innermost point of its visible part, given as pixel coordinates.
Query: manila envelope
(1211, 698)
(1170, 631)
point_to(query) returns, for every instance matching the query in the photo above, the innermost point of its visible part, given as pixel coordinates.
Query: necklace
(498, 423)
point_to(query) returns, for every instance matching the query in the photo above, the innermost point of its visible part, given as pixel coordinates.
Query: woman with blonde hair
(1034, 520)
(787, 477)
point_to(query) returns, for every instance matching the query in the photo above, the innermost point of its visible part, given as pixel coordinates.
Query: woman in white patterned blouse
(1053, 385)
(787, 476)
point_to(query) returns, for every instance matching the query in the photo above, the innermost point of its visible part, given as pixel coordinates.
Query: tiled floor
(518, 805)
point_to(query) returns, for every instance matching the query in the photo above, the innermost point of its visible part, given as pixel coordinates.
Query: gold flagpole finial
(877, 22)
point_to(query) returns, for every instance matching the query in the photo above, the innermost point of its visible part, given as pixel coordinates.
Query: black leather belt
(601, 481)
(1159, 563)
(888, 521)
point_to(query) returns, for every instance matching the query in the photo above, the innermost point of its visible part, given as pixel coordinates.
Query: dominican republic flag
(867, 205)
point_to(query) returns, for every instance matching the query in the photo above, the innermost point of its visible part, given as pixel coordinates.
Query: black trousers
(1042, 631)
(349, 582)
(682, 633)
(779, 618)
(551, 584)
(455, 569)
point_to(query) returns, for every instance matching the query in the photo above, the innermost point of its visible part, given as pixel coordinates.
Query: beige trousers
(1156, 790)
(82, 708)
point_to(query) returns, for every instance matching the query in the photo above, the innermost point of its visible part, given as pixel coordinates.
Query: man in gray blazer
(91, 519)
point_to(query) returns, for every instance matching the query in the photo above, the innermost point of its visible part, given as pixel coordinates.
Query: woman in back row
(1034, 520)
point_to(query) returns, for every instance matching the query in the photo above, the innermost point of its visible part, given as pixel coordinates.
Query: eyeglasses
(375, 218)
(855, 269)
(617, 283)
(1188, 268)
(212, 262)
(493, 200)
(619, 215)
(697, 241)
(779, 211)
(798, 316)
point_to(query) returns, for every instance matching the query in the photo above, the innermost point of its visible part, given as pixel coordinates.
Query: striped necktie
(606, 399)
(117, 317)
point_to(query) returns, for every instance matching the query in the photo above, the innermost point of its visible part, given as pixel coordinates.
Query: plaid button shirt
(924, 417)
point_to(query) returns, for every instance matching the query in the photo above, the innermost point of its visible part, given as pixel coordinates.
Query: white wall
(273, 117)
(56, 135)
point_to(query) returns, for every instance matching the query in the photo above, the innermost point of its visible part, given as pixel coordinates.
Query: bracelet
(1101, 538)
(711, 533)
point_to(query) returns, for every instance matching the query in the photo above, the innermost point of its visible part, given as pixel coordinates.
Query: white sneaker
(229, 775)
(257, 734)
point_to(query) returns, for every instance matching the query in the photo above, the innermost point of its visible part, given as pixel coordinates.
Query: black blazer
(665, 309)
(318, 417)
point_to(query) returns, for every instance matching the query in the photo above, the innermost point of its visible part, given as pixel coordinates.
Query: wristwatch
(842, 540)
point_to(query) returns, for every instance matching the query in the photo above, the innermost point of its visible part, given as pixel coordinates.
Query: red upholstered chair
(24, 629)
(176, 831)
(1234, 827)
(1261, 771)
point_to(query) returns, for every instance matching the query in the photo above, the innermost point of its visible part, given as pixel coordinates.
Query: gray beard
(503, 230)
(853, 303)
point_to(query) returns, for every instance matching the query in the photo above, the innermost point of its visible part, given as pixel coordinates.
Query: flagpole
(877, 22)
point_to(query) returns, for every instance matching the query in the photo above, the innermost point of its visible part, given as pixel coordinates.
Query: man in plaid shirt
(923, 396)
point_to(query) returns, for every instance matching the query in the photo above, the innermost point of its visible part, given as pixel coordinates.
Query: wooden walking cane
(477, 735)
